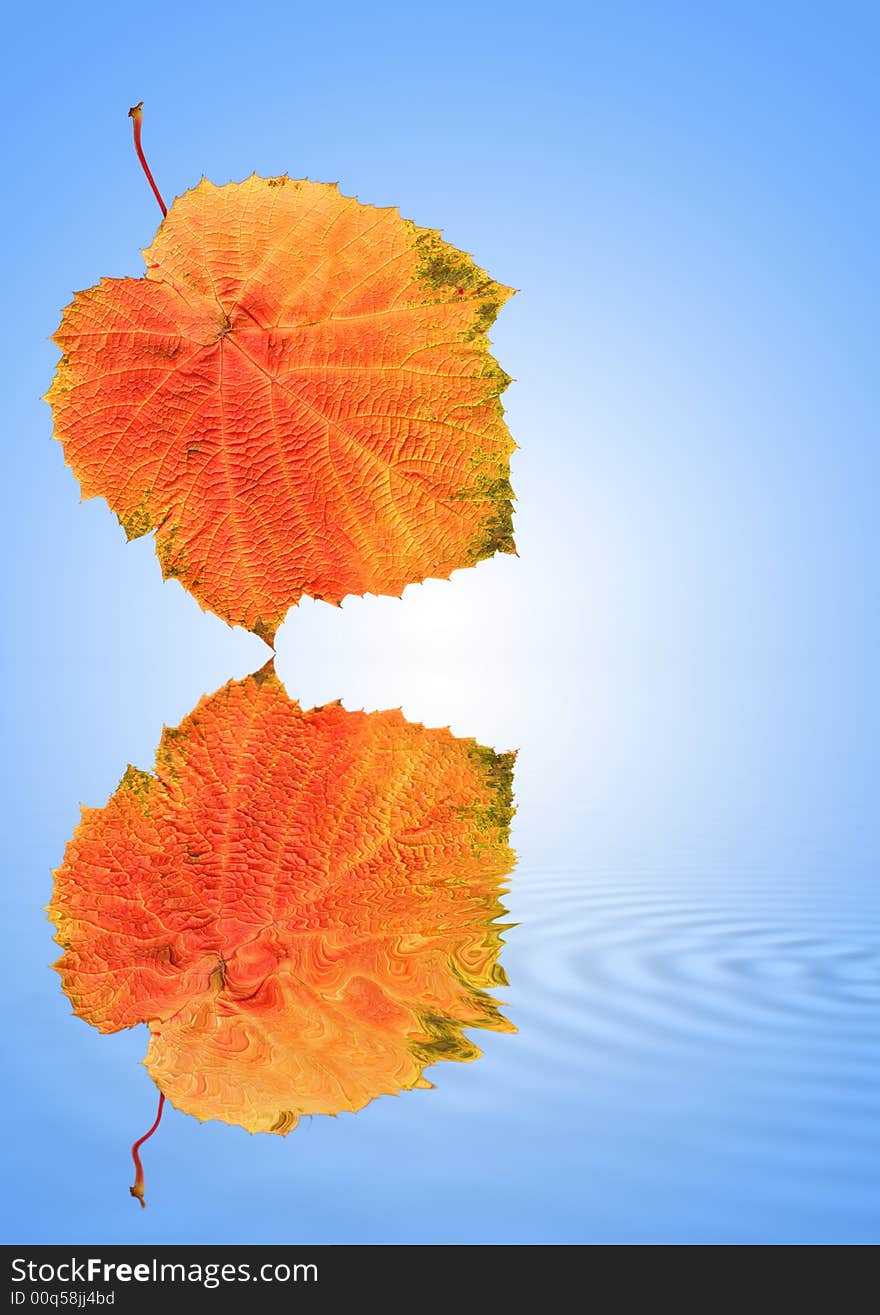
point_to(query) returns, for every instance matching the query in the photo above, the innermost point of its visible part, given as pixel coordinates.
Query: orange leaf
(301, 905)
(298, 399)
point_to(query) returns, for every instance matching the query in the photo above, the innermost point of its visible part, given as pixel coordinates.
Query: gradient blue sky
(685, 650)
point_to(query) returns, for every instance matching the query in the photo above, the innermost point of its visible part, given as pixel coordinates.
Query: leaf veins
(298, 398)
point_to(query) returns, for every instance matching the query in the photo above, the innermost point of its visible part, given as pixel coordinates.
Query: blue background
(685, 651)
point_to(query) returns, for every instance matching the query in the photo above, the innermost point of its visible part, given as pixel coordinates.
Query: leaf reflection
(301, 905)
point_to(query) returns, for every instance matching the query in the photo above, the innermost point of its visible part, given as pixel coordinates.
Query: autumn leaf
(301, 905)
(298, 398)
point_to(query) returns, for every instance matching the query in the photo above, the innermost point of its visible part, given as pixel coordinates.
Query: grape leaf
(298, 398)
(301, 905)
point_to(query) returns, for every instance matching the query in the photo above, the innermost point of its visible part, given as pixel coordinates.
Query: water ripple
(603, 969)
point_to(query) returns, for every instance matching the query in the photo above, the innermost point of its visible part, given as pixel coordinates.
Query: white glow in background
(684, 653)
